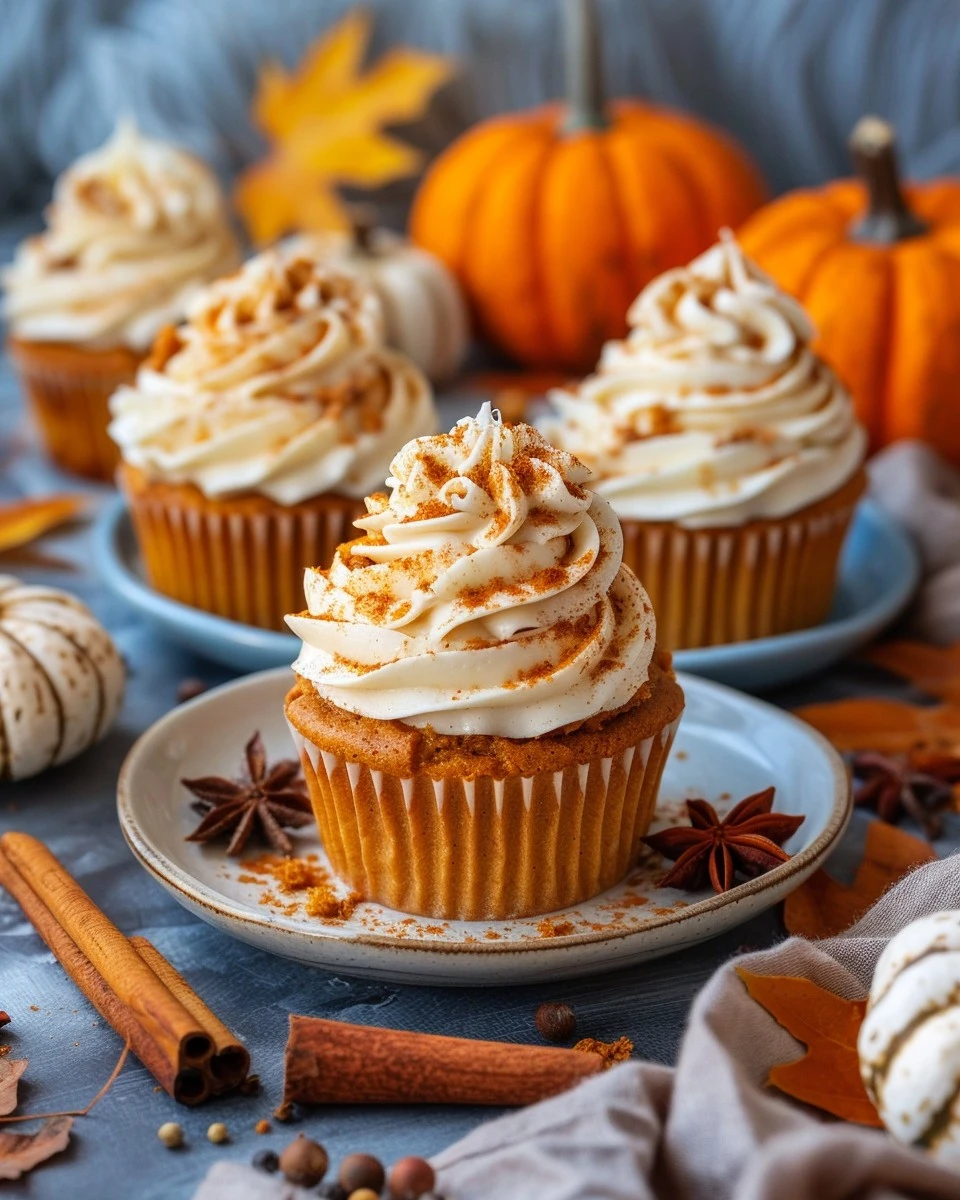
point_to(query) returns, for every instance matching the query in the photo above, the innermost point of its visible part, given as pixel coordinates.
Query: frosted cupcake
(729, 450)
(255, 429)
(134, 228)
(481, 711)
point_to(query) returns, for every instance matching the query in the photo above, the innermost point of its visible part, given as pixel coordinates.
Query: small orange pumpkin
(554, 219)
(877, 266)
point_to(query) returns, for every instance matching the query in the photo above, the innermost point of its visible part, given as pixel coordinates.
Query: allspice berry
(358, 1171)
(217, 1133)
(171, 1135)
(304, 1162)
(410, 1178)
(556, 1022)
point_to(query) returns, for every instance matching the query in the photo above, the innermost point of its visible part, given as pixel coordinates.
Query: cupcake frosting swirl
(278, 383)
(487, 595)
(714, 410)
(134, 228)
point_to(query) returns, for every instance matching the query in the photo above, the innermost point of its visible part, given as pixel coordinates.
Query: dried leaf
(10, 1071)
(821, 907)
(21, 521)
(933, 669)
(828, 1075)
(324, 122)
(890, 726)
(21, 1152)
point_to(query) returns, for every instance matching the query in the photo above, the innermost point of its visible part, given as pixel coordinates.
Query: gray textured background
(789, 78)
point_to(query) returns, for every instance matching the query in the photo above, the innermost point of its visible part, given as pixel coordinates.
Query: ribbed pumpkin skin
(888, 316)
(553, 234)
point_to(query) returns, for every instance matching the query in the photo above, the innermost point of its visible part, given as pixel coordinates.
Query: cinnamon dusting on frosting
(714, 410)
(489, 569)
(278, 383)
(134, 229)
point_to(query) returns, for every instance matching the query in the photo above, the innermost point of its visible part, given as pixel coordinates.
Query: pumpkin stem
(888, 218)
(363, 221)
(586, 99)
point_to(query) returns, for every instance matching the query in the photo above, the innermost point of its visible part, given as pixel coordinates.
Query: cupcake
(728, 449)
(133, 229)
(255, 428)
(480, 708)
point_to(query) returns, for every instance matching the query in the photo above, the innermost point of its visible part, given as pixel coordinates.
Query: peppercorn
(410, 1178)
(556, 1022)
(304, 1162)
(266, 1160)
(171, 1135)
(217, 1133)
(332, 1191)
(359, 1171)
(364, 1194)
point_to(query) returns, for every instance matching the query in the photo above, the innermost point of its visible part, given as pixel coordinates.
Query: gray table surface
(114, 1152)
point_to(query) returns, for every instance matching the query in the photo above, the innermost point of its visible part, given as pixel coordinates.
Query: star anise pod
(918, 784)
(262, 799)
(748, 841)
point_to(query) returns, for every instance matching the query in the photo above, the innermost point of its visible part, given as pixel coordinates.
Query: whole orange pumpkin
(554, 219)
(877, 266)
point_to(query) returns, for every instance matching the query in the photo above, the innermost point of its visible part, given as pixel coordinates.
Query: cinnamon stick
(122, 969)
(187, 1049)
(333, 1062)
(187, 1087)
(230, 1061)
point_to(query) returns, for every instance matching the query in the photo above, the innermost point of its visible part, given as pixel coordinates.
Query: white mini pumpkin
(909, 1042)
(423, 307)
(61, 678)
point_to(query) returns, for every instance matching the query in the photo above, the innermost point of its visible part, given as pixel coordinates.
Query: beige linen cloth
(921, 491)
(709, 1129)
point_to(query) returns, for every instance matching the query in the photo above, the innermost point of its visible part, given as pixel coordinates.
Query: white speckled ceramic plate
(729, 746)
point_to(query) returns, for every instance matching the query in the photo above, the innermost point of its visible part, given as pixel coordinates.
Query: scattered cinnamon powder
(611, 1052)
(552, 929)
(322, 901)
(300, 875)
(296, 874)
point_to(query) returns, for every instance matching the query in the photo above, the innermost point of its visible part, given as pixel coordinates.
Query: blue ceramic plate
(878, 573)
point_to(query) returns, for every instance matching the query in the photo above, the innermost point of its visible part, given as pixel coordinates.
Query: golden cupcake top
(714, 410)
(486, 594)
(133, 229)
(279, 383)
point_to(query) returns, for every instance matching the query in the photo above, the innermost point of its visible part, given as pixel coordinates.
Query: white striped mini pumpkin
(61, 678)
(425, 314)
(909, 1042)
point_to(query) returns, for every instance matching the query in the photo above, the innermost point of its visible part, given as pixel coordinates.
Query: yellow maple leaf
(324, 123)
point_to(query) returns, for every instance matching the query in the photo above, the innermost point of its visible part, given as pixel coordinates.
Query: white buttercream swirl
(134, 228)
(278, 383)
(714, 411)
(487, 597)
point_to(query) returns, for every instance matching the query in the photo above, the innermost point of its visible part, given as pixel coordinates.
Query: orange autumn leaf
(324, 123)
(21, 521)
(828, 1075)
(821, 907)
(933, 669)
(889, 726)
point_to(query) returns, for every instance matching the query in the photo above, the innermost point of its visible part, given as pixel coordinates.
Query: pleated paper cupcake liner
(236, 560)
(485, 849)
(712, 586)
(70, 406)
